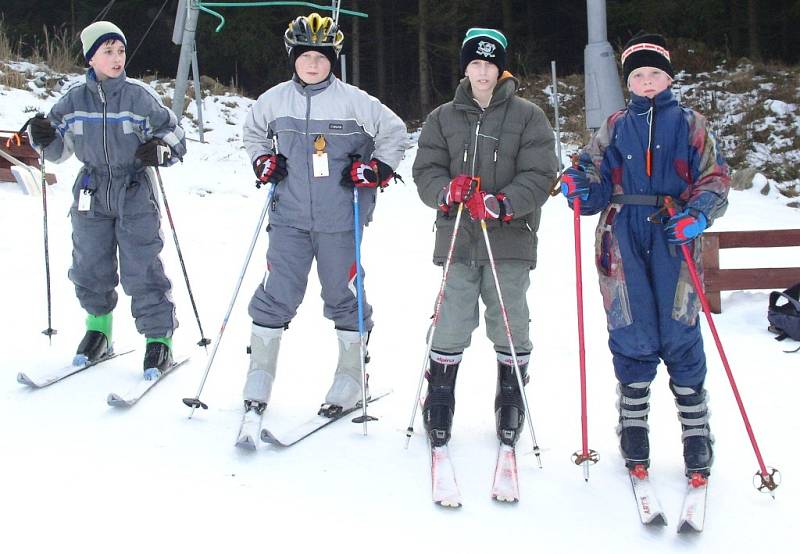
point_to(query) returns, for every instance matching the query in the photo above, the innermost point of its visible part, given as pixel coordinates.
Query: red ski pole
(769, 478)
(585, 456)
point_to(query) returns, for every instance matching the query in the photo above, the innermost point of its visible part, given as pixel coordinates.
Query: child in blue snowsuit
(653, 148)
(118, 128)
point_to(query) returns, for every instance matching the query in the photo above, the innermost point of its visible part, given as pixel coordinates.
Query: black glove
(42, 132)
(154, 152)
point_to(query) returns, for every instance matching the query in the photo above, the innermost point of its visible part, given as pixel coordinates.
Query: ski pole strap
(638, 199)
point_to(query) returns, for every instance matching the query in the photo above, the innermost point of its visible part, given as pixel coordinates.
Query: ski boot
(440, 402)
(157, 357)
(509, 409)
(265, 342)
(634, 405)
(345, 392)
(693, 413)
(96, 343)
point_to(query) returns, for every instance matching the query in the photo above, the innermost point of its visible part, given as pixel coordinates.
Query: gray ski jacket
(289, 117)
(103, 123)
(511, 147)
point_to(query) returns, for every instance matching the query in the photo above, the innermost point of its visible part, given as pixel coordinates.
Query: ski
(505, 487)
(313, 425)
(249, 430)
(47, 378)
(141, 388)
(693, 511)
(647, 503)
(444, 488)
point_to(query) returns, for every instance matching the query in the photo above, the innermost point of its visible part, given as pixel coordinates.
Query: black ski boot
(93, 346)
(157, 358)
(693, 413)
(634, 405)
(96, 343)
(440, 402)
(509, 409)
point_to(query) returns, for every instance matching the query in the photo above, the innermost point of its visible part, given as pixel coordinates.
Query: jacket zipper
(105, 144)
(474, 160)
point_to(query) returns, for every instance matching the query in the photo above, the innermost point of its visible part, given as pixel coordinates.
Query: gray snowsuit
(103, 123)
(510, 146)
(312, 217)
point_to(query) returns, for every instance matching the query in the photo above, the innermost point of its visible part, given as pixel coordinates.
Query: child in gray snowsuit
(303, 136)
(488, 135)
(118, 128)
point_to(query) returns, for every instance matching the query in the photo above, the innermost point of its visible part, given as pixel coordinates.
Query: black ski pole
(49, 331)
(204, 342)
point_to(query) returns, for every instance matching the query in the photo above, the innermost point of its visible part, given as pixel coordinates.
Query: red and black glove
(459, 189)
(485, 205)
(270, 168)
(373, 174)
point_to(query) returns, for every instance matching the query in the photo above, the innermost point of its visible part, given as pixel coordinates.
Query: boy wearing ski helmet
(491, 152)
(119, 129)
(315, 138)
(652, 149)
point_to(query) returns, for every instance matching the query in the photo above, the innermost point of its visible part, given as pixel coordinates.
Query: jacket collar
(312, 90)
(661, 100)
(110, 85)
(506, 88)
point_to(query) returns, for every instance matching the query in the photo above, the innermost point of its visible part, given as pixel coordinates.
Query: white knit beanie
(98, 33)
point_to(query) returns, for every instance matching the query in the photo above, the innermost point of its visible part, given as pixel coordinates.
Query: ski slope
(78, 474)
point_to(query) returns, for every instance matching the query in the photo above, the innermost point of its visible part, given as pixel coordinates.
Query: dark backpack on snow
(785, 319)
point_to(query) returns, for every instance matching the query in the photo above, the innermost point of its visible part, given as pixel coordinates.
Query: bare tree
(355, 63)
(380, 49)
(424, 65)
(752, 29)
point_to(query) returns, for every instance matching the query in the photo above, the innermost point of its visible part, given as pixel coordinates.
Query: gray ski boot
(345, 392)
(264, 345)
(634, 405)
(693, 413)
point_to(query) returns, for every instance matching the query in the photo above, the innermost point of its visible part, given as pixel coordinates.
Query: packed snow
(78, 475)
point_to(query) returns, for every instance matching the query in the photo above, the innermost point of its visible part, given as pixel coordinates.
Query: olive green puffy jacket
(511, 147)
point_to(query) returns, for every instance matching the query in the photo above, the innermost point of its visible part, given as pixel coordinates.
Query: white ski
(47, 378)
(141, 388)
(693, 512)
(444, 488)
(313, 425)
(505, 487)
(647, 503)
(249, 430)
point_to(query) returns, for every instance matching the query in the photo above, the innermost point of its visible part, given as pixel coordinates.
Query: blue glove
(685, 226)
(575, 183)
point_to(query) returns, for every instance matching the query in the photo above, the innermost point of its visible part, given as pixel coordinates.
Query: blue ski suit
(649, 299)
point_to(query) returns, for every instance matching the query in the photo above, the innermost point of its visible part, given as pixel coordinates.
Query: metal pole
(49, 331)
(557, 117)
(439, 300)
(198, 93)
(187, 47)
(510, 341)
(195, 402)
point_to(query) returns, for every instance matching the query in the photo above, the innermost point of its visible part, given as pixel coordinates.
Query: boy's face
(109, 60)
(482, 75)
(312, 67)
(648, 81)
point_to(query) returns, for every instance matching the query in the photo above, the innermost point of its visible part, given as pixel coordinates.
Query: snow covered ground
(81, 475)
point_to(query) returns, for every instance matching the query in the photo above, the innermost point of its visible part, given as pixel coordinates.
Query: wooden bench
(716, 279)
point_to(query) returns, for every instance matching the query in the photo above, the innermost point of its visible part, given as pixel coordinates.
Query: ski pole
(195, 402)
(769, 478)
(49, 331)
(364, 417)
(511, 342)
(203, 340)
(439, 300)
(585, 456)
